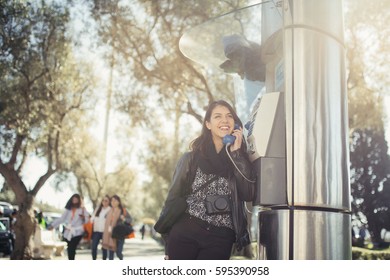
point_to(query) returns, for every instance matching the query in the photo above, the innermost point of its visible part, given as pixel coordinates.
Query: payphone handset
(229, 140)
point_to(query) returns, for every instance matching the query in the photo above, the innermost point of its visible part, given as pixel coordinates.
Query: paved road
(134, 249)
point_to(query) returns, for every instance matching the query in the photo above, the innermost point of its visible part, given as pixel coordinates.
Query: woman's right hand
(237, 143)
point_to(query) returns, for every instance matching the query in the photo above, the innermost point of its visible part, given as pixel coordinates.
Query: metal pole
(315, 221)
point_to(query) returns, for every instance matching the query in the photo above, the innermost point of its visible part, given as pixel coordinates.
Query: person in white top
(99, 220)
(74, 217)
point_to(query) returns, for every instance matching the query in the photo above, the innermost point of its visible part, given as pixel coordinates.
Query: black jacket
(241, 190)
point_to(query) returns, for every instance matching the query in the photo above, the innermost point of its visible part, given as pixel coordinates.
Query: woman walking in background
(116, 214)
(74, 218)
(99, 220)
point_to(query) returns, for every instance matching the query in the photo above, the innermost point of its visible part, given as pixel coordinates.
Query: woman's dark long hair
(70, 204)
(200, 143)
(101, 205)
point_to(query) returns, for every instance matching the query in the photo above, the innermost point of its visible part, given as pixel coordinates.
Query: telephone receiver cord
(239, 171)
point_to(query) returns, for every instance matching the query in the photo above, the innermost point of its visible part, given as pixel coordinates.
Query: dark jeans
(119, 249)
(192, 239)
(96, 237)
(72, 246)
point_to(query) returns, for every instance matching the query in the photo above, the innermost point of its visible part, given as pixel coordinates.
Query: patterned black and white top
(196, 204)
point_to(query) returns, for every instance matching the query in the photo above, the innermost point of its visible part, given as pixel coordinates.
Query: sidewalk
(134, 249)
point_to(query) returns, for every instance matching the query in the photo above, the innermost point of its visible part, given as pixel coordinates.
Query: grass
(370, 254)
(357, 253)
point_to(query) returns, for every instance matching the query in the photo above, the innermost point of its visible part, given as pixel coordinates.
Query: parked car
(6, 237)
(7, 208)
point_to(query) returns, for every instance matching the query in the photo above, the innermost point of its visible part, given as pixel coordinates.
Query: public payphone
(288, 59)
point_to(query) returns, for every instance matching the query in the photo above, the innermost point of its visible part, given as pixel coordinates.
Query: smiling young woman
(214, 192)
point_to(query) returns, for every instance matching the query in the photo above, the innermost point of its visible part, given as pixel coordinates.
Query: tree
(43, 93)
(370, 181)
(145, 36)
(82, 163)
(160, 161)
(142, 38)
(368, 60)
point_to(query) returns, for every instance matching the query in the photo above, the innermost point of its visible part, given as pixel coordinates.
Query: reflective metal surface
(321, 15)
(271, 184)
(304, 235)
(273, 236)
(316, 106)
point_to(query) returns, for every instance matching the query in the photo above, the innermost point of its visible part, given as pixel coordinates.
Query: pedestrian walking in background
(41, 220)
(99, 220)
(117, 214)
(362, 236)
(142, 230)
(74, 217)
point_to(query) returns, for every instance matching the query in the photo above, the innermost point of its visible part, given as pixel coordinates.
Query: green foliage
(43, 89)
(144, 36)
(370, 180)
(36, 83)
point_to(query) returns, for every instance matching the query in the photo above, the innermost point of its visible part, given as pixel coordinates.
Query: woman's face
(114, 202)
(75, 200)
(221, 122)
(105, 202)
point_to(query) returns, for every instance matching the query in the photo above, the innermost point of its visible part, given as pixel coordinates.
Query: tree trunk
(24, 230)
(25, 221)
(24, 226)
